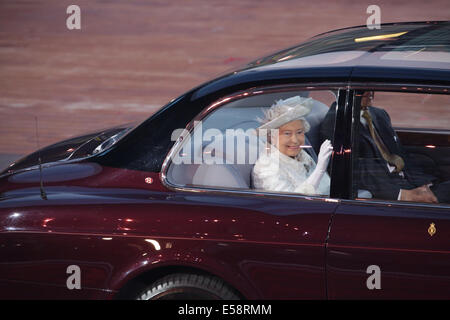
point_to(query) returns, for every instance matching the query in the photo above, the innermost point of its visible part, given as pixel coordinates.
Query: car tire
(182, 286)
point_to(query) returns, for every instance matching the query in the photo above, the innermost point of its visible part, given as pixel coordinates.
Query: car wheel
(182, 286)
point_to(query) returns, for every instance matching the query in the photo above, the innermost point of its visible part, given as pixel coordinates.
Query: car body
(118, 215)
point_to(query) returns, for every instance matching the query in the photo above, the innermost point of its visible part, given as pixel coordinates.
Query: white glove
(322, 163)
(326, 149)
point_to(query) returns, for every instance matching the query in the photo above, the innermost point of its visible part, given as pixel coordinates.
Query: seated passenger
(385, 169)
(287, 167)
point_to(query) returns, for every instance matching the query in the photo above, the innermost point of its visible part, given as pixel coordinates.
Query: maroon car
(166, 209)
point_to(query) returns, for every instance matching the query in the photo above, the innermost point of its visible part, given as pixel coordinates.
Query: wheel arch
(140, 281)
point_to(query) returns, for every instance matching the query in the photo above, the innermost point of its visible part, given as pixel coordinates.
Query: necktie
(392, 159)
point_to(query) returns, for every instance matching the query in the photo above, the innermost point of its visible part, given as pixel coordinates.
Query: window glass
(264, 142)
(403, 147)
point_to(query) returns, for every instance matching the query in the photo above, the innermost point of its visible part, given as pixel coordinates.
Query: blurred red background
(132, 57)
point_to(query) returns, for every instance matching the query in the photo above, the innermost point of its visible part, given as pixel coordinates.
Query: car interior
(242, 114)
(422, 131)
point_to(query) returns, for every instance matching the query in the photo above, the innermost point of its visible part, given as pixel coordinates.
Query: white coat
(278, 172)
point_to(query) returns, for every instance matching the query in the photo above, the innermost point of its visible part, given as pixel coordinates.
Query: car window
(228, 149)
(402, 147)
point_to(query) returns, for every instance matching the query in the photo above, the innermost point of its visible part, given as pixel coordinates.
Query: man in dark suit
(384, 168)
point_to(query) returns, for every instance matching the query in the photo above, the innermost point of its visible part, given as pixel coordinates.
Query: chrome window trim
(248, 192)
(396, 87)
(253, 91)
(400, 87)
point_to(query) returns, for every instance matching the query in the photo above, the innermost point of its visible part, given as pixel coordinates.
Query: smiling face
(291, 136)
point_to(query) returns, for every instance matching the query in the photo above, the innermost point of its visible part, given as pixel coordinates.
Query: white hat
(284, 111)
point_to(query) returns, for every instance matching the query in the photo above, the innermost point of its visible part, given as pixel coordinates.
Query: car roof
(408, 60)
(407, 52)
(416, 45)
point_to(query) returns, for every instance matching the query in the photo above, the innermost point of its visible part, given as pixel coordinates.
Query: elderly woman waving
(287, 167)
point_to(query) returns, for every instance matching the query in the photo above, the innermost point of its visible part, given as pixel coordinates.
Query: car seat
(233, 173)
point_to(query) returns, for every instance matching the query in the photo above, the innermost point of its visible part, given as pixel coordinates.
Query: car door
(275, 239)
(387, 248)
